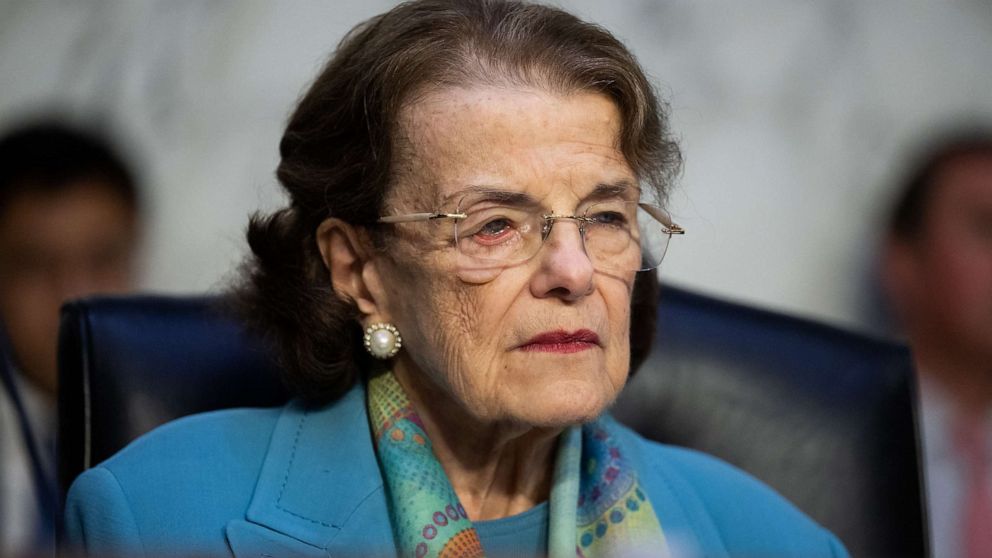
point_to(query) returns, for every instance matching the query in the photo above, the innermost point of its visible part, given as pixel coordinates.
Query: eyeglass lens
(618, 235)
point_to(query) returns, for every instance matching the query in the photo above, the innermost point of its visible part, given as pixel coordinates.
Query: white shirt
(18, 499)
(945, 470)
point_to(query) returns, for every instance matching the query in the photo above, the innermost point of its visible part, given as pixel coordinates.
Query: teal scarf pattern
(597, 508)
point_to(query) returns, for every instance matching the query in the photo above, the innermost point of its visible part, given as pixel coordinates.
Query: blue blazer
(305, 482)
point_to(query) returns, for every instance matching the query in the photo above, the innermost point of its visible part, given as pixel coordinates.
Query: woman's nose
(565, 269)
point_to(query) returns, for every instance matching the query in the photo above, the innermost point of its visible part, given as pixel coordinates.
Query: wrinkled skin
(493, 409)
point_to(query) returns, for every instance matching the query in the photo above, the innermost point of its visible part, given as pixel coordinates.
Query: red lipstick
(562, 341)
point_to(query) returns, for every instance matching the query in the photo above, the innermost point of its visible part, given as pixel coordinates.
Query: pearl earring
(382, 340)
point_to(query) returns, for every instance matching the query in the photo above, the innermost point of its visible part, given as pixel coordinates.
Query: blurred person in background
(938, 277)
(69, 224)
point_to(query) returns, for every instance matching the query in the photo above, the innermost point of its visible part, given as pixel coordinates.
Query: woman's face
(539, 343)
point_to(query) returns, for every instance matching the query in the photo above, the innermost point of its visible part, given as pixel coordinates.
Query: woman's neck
(497, 470)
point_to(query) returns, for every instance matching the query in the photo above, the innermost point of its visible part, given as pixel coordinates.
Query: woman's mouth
(562, 341)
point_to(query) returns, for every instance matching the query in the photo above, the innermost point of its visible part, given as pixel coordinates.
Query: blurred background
(795, 118)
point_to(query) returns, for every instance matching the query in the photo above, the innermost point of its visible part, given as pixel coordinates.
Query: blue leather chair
(824, 416)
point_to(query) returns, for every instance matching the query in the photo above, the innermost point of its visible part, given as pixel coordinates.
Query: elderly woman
(453, 289)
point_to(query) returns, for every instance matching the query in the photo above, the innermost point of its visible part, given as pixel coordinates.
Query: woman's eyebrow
(490, 194)
(622, 188)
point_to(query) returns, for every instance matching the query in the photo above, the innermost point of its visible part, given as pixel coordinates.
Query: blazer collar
(320, 486)
(320, 491)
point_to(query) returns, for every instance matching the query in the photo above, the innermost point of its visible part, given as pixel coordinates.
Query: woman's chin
(561, 408)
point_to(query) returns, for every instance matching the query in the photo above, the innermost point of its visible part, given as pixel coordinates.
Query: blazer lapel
(320, 491)
(687, 525)
(248, 540)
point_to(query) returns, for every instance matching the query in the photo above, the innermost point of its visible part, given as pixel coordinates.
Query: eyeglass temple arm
(414, 217)
(663, 218)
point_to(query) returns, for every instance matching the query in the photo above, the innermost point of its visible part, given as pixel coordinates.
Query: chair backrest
(824, 416)
(129, 364)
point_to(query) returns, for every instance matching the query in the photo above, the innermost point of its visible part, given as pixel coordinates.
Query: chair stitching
(86, 343)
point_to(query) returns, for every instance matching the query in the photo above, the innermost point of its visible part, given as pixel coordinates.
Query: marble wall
(795, 119)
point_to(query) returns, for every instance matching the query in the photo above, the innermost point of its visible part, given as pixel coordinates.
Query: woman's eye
(609, 218)
(494, 228)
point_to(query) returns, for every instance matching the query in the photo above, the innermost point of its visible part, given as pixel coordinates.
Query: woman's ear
(347, 256)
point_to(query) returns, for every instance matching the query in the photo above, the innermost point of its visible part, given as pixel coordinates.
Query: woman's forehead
(458, 120)
(491, 140)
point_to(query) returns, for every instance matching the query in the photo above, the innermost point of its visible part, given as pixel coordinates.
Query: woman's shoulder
(186, 476)
(717, 500)
(241, 477)
(210, 439)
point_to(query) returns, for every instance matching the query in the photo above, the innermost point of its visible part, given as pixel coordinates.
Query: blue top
(521, 535)
(304, 482)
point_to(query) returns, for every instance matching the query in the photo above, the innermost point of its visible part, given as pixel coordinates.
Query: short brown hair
(50, 157)
(337, 156)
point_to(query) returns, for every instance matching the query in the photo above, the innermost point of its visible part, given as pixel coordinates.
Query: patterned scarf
(597, 507)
